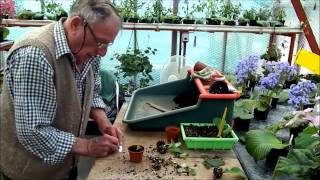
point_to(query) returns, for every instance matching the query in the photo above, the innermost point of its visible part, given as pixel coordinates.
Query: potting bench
(118, 166)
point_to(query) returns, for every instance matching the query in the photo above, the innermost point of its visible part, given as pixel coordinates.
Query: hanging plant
(135, 64)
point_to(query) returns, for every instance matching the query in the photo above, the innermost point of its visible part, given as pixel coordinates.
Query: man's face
(97, 38)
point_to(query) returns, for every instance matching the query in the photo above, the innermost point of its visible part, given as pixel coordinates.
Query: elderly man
(51, 88)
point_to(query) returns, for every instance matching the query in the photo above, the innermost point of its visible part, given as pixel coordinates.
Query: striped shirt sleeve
(30, 80)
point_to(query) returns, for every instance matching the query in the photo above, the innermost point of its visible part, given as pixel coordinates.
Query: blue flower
(299, 93)
(247, 69)
(270, 82)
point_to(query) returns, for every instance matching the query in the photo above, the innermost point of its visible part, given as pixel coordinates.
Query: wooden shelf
(173, 27)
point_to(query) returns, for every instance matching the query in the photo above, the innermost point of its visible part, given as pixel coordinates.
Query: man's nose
(102, 51)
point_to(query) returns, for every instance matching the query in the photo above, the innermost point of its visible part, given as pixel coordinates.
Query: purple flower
(269, 82)
(299, 93)
(247, 69)
(284, 69)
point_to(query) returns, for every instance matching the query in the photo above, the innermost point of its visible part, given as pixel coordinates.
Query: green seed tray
(208, 142)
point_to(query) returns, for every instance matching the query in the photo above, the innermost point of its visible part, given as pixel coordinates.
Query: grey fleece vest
(15, 161)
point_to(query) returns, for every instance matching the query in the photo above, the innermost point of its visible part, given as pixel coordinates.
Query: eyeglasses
(98, 43)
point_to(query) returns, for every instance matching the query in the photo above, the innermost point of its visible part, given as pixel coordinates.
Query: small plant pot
(252, 22)
(242, 23)
(188, 21)
(133, 20)
(274, 155)
(213, 21)
(241, 124)
(135, 153)
(274, 103)
(287, 84)
(168, 20)
(309, 105)
(172, 133)
(295, 131)
(261, 115)
(230, 23)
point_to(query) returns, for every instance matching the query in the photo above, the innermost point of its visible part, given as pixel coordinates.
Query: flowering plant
(284, 69)
(247, 72)
(7, 8)
(299, 93)
(275, 75)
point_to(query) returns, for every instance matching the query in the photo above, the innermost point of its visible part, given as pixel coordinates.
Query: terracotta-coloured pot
(172, 133)
(135, 153)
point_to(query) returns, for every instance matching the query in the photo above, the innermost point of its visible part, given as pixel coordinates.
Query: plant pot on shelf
(133, 19)
(242, 22)
(213, 21)
(229, 23)
(188, 21)
(172, 133)
(241, 124)
(274, 154)
(252, 22)
(136, 153)
(261, 115)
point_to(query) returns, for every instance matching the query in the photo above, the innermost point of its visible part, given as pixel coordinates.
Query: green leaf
(236, 170)
(305, 139)
(260, 142)
(213, 162)
(283, 96)
(300, 163)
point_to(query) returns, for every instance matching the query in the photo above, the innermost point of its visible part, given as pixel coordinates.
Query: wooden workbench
(118, 166)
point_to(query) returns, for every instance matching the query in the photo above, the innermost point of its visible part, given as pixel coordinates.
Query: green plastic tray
(207, 143)
(140, 116)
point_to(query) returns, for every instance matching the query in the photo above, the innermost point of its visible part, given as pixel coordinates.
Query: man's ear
(77, 23)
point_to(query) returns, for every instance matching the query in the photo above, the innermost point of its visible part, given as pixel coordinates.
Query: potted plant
(159, 11)
(273, 53)
(280, 15)
(302, 161)
(263, 16)
(261, 144)
(229, 12)
(129, 10)
(135, 64)
(7, 9)
(211, 12)
(243, 113)
(246, 74)
(189, 18)
(4, 32)
(251, 15)
(299, 94)
(54, 11)
(25, 14)
(285, 73)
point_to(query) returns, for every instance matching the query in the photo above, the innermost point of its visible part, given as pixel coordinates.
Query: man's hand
(104, 124)
(96, 147)
(102, 146)
(113, 131)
